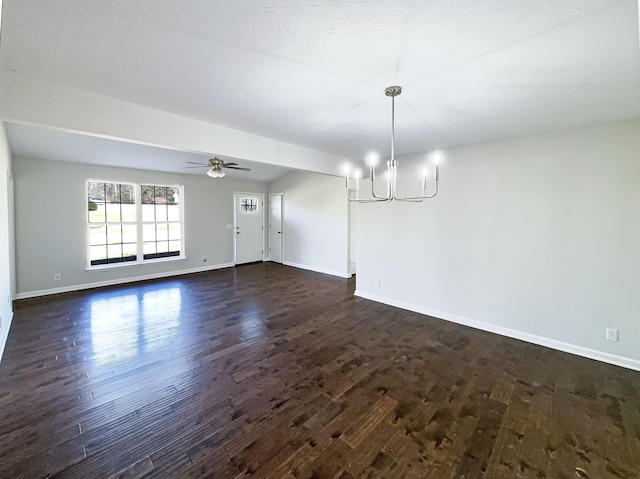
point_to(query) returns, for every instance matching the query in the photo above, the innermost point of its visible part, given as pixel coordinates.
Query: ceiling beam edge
(28, 100)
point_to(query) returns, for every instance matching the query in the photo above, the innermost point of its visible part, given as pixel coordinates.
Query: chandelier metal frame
(392, 170)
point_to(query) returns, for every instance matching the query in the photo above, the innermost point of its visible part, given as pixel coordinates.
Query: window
(248, 205)
(161, 227)
(130, 223)
(112, 223)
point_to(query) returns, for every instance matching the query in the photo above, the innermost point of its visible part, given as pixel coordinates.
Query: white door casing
(352, 238)
(248, 231)
(275, 227)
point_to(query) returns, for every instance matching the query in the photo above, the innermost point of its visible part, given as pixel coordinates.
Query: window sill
(128, 264)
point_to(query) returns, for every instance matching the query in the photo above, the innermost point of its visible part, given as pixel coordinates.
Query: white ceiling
(312, 72)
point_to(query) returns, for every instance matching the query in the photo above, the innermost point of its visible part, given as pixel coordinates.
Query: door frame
(235, 221)
(352, 259)
(281, 195)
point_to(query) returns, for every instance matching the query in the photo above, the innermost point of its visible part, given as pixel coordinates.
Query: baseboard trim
(317, 270)
(113, 282)
(622, 361)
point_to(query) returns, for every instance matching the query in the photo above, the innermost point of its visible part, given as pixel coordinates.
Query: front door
(275, 227)
(248, 227)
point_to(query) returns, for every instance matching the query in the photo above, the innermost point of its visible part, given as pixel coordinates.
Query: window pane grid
(160, 220)
(110, 237)
(113, 223)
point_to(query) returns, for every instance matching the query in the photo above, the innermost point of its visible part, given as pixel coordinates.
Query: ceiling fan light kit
(353, 193)
(214, 172)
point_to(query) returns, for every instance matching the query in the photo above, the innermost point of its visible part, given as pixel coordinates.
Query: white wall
(536, 238)
(315, 222)
(50, 209)
(6, 242)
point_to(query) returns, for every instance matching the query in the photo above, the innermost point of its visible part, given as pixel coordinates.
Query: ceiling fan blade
(229, 164)
(199, 166)
(238, 168)
(194, 163)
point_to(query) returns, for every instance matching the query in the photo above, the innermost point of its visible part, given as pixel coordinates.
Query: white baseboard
(112, 282)
(317, 270)
(5, 333)
(622, 361)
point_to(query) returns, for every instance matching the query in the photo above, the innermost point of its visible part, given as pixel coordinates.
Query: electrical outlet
(57, 277)
(612, 334)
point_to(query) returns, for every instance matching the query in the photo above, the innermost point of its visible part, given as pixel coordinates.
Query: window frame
(139, 225)
(167, 221)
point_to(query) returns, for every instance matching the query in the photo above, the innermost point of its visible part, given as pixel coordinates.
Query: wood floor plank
(356, 433)
(136, 470)
(269, 371)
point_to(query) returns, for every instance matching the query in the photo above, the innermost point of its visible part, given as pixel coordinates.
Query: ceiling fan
(215, 166)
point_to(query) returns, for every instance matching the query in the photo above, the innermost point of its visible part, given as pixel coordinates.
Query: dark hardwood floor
(270, 371)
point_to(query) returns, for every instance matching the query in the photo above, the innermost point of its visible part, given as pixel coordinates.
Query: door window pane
(248, 205)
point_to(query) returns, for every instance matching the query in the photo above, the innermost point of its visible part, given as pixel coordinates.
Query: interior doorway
(248, 227)
(275, 228)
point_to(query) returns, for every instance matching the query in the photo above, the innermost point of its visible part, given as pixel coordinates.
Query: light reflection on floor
(127, 325)
(252, 324)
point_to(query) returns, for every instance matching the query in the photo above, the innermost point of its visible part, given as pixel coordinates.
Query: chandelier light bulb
(357, 175)
(425, 173)
(437, 158)
(347, 169)
(372, 159)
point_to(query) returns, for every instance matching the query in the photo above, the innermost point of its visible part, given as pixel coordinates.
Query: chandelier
(353, 192)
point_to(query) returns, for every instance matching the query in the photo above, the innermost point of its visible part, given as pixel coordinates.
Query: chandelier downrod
(392, 169)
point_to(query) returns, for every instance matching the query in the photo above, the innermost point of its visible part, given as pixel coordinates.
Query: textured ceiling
(312, 72)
